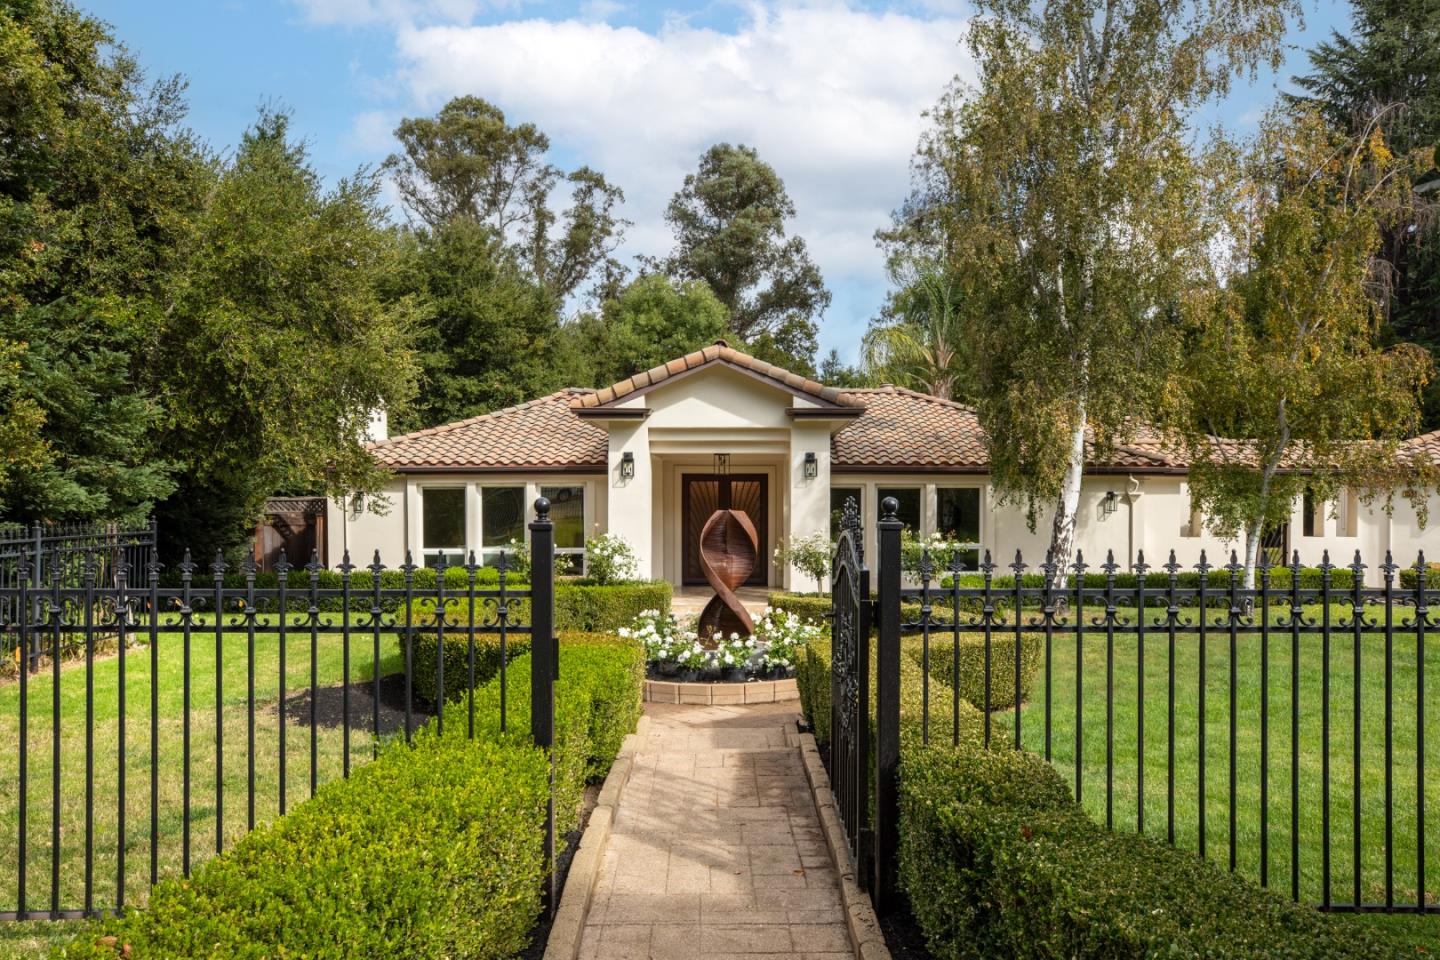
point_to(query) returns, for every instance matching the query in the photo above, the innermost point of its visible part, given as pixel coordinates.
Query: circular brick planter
(754, 691)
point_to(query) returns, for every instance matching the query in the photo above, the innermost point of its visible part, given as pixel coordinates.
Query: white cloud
(358, 12)
(831, 95)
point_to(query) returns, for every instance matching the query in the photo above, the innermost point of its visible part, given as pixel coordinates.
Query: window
(909, 500)
(1347, 509)
(442, 525)
(502, 519)
(957, 517)
(1314, 519)
(838, 496)
(567, 512)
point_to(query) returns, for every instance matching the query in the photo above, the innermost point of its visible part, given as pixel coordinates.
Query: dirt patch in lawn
(330, 706)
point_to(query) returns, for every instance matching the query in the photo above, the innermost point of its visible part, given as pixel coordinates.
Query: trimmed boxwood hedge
(430, 851)
(812, 681)
(580, 607)
(972, 665)
(998, 861)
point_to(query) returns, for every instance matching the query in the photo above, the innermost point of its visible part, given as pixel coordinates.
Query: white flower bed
(772, 649)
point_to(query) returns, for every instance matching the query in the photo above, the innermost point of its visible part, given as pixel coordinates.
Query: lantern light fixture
(812, 466)
(627, 466)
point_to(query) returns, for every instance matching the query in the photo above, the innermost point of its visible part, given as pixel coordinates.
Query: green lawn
(1124, 794)
(23, 939)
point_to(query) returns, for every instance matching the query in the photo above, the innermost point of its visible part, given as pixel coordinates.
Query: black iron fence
(238, 679)
(1279, 728)
(62, 550)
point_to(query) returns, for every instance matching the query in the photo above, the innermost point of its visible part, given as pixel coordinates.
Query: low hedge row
(579, 608)
(812, 680)
(1410, 577)
(429, 851)
(970, 680)
(998, 861)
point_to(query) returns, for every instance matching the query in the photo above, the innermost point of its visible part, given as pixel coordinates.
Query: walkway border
(569, 924)
(860, 917)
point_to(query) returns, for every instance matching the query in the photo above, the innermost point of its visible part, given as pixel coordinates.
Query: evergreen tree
(729, 221)
(1386, 70)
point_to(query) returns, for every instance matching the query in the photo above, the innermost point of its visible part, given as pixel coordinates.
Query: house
(652, 456)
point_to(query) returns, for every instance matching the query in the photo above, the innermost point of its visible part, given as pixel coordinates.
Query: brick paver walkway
(716, 849)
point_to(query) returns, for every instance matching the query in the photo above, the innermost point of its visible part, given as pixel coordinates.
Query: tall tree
(650, 321)
(99, 184)
(1284, 349)
(1059, 188)
(492, 331)
(278, 344)
(1385, 70)
(467, 162)
(729, 221)
(920, 342)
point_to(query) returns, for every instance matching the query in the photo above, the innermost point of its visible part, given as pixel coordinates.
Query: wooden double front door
(702, 495)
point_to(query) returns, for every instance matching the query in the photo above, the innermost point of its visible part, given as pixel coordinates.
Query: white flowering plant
(735, 652)
(691, 656)
(809, 555)
(780, 634)
(942, 551)
(659, 633)
(609, 558)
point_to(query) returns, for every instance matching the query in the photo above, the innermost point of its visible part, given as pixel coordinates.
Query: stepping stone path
(716, 849)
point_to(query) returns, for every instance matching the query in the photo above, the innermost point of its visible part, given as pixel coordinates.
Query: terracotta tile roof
(1427, 445)
(718, 352)
(905, 428)
(540, 433)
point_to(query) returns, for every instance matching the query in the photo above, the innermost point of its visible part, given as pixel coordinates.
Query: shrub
(580, 607)
(972, 665)
(597, 701)
(609, 559)
(808, 555)
(997, 860)
(428, 851)
(1410, 577)
(812, 681)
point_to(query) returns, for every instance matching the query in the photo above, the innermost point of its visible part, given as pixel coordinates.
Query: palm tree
(920, 346)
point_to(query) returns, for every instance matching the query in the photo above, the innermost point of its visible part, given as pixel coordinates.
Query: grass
(206, 825)
(1119, 800)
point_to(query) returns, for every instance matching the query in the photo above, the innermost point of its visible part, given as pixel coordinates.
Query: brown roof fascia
(669, 378)
(582, 468)
(611, 413)
(823, 413)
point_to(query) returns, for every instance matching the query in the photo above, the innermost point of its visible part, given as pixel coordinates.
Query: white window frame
(481, 550)
(454, 556)
(585, 520)
(934, 520)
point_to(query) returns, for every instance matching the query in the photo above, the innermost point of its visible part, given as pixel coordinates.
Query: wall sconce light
(812, 466)
(1109, 505)
(722, 464)
(627, 466)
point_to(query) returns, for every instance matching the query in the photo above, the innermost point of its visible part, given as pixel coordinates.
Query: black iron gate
(865, 743)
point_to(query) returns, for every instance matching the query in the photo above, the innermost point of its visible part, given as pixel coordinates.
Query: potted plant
(691, 660)
(732, 656)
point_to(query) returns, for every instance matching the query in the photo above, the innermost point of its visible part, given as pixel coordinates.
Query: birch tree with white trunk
(1284, 349)
(1061, 185)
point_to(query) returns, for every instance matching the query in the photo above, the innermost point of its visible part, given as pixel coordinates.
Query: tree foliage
(729, 222)
(1385, 71)
(1284, 348)
(1059, 189)
(99, 185)
(491, 335)
(650, 321)
(920, 343)
(279, 342)
(468, 163)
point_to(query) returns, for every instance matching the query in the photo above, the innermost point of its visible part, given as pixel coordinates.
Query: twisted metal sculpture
(729, 549)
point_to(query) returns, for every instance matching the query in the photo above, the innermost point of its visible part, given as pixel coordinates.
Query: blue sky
(830, 92)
